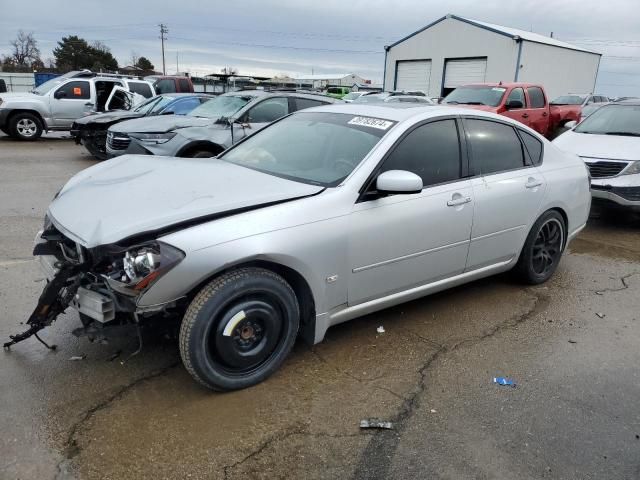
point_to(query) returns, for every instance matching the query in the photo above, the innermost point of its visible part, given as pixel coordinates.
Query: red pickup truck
(525, 102)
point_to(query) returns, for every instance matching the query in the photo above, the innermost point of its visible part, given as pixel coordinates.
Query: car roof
(283, 93)
(632, 102)
(400, 112)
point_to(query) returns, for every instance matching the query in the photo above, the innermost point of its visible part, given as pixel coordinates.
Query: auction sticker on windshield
(371, 122)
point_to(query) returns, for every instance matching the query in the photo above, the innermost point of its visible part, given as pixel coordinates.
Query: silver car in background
(609, 143)
(323, 216)
(210, 128)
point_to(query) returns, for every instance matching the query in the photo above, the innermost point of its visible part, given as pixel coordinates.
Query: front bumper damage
(87, 280)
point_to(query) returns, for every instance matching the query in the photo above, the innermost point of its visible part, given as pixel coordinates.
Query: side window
(165, 85)
(140, 88)
(268, 110)
(184, 85)
(184, 106)
(516, 95)
(495, 146)
(302, 103)
(431, 151)
(78, 90)
(533, 146)
(536, 97)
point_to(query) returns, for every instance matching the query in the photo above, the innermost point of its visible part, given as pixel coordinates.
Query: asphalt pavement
(571, 346)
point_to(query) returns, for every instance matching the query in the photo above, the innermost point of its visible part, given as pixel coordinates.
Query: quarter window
(495, 146)
(184, 85)
(533, 146)
(269, 110)
(302, 103)
(517, 95)
(536, 97)
(165, 85)
(76, 90)
(431, 151)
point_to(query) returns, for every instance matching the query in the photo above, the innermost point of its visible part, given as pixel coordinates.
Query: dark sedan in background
(91, 131)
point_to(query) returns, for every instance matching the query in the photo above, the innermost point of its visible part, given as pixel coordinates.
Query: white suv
(55, 104)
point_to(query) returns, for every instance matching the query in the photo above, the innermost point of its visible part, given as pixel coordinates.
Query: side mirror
(571, 124)
(398, 182)
(513, 104)
(60, 94)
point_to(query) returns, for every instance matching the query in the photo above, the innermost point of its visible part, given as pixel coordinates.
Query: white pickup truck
(55, 104)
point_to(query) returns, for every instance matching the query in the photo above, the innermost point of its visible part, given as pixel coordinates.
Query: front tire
(25, 126)
(239, 329)
(542, 250)
(94, 149)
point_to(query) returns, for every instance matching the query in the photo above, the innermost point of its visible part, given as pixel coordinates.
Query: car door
(400, 241)
(537, 110)
(71, 101)
(520, 114)
(261, 115)
(507, 189)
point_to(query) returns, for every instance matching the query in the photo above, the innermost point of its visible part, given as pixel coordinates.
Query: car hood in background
(160, 124)
(108, 117)
(484, 108)
(135, 194)
(600, 146)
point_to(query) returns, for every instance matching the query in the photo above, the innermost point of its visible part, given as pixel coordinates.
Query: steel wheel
(547, 247)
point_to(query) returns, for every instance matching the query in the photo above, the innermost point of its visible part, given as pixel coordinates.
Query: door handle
(525, 115)
(88, 104)
(532, 183)
(454, 202)
(544, 114)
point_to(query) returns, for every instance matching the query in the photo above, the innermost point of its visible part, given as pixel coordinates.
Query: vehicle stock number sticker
(371, 122)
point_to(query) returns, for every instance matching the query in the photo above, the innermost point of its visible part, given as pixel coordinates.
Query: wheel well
(198, 146)
(298, 284)
(32, 112)
(565, 220)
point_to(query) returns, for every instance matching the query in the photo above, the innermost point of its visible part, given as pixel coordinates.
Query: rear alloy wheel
(25, 126)
(541, 253)
(239, 329)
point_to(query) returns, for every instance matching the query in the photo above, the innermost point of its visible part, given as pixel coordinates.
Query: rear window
(536, 97)
(141, 88)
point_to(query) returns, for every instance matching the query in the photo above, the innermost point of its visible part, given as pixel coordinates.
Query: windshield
(480, 95)
(589, 109)
(144, 107)
(222, 106)
(49, 84)
(310, 147)
(352, 96)
(568, 100)
(612, 120)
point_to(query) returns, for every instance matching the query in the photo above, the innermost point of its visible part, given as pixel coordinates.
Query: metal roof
(506, 31)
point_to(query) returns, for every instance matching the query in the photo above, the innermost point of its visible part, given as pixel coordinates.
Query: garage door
(462, 72)
(413, 75)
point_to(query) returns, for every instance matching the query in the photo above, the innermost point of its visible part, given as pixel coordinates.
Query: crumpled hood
(108, 117)
(599, 146)
(134, 194)
(160, 124)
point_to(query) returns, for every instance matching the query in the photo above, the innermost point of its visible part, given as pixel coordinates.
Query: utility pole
(177, 64)
(163, 31)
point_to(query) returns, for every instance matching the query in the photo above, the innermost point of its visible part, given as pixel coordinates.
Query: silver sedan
(323, 216)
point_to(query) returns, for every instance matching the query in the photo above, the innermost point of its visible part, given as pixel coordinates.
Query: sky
(298, 37)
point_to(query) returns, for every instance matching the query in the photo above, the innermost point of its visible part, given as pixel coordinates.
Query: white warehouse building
(454, 51)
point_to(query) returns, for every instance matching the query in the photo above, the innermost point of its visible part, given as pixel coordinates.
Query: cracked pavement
(573, 414)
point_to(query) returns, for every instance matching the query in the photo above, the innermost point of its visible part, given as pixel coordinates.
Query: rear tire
(542, 250)
(25, 126)
(200, 154)
(239, 329)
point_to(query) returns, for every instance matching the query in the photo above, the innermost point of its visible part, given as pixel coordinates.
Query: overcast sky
(295, 37)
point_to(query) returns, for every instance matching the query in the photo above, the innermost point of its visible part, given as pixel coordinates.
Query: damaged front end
(101, 283)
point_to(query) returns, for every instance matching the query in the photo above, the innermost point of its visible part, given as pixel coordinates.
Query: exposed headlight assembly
(633, 168)
(153, 138)
(143, 265)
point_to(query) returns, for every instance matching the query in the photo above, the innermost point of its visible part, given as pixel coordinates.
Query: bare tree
(229, 71)
(25, 50)
(134, 58)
